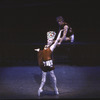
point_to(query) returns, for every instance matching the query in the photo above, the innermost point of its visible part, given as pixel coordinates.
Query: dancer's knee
(53, 75)
(44, 77)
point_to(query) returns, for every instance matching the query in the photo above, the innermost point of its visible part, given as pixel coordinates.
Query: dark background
(24, 23)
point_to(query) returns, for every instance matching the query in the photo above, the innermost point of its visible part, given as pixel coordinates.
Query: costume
(45, 60)
(46, 64)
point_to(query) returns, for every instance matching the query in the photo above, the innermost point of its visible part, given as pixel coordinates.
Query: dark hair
(59, 18)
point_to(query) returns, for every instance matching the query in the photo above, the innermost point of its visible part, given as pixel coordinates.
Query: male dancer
(45, 60)
(68, 34)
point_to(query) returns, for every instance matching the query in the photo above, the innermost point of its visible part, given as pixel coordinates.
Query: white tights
(44, 79)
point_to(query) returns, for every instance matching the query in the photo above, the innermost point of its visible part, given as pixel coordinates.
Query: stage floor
(22, 82)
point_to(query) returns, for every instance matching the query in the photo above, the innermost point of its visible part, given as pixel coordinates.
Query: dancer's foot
(39, 92)
(56, 91)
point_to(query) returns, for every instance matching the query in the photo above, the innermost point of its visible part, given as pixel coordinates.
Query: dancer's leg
(42, 83)
(54, 81)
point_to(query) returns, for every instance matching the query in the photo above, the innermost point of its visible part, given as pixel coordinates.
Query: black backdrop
(24, 23)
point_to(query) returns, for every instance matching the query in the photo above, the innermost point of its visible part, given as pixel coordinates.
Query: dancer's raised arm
(52, 47)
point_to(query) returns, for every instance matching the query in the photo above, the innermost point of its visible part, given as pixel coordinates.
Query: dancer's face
(49, 42)
(60, 22)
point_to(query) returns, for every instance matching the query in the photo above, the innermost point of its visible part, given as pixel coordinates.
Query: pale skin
(64, 35)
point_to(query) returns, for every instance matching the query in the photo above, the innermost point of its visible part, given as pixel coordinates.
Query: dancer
(68, 34)
(45, 60)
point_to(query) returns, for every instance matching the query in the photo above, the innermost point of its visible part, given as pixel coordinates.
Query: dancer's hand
(59, 43)
(38, 49)
(62, 30)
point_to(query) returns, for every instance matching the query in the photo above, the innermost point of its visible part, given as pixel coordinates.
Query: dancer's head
(60, 20)
(50, 37)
